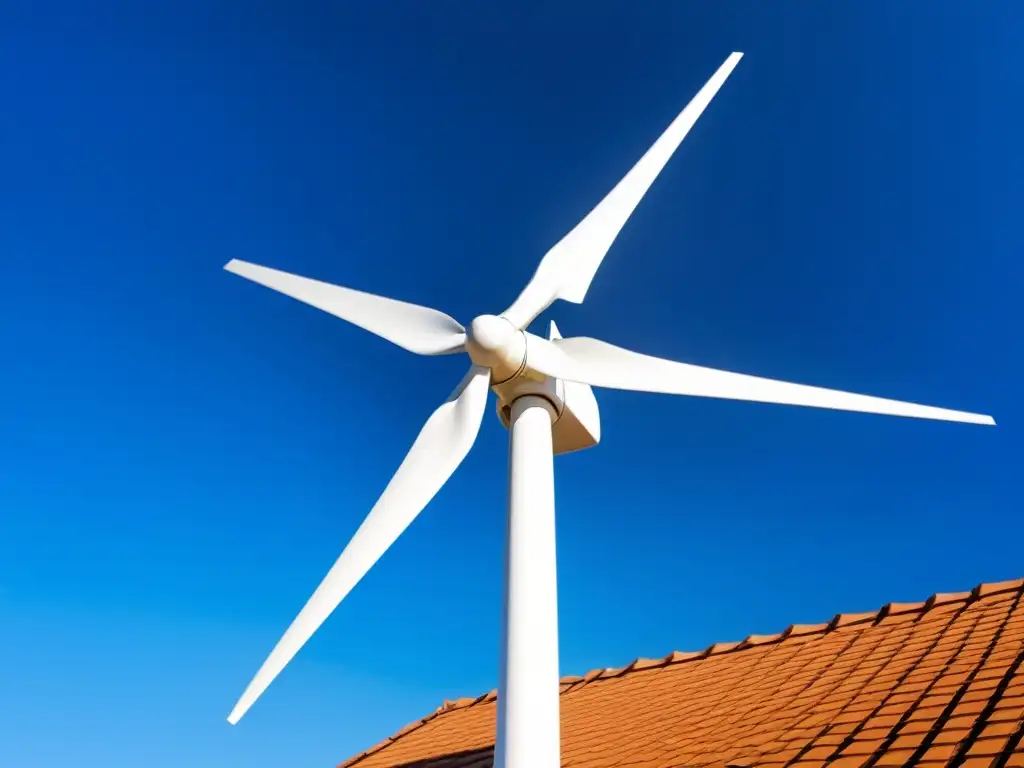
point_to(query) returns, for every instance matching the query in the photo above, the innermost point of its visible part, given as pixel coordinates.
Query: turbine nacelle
(577, 419)
(495, 343)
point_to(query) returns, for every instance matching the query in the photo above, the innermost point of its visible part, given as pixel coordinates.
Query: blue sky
(184, 454)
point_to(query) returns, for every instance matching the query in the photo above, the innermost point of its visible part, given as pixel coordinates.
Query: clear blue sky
(184, 454)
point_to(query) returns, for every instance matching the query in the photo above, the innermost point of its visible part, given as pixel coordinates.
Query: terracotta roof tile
(938, 683)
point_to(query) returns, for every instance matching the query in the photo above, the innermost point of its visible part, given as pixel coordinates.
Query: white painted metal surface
(441, 446)
(528, 714)
(567, 270)
(418, 329)
(579, 421)
(604, 365)
(536, 380)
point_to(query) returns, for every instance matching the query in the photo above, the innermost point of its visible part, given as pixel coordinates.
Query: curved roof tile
(935, 683)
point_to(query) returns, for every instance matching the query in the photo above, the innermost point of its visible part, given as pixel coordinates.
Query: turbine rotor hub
(494, 342)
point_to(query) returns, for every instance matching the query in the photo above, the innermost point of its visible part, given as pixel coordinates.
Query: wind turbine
(543, 388)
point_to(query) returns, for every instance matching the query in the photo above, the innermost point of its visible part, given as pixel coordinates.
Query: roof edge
(574, 682)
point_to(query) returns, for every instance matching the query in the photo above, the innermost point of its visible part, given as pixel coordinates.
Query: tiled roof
(938, 683)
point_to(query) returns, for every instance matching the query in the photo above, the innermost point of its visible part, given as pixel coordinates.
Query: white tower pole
(528, 719)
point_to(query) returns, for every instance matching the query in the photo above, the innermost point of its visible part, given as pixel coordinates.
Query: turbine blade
(603, 365)
(567, 270)
(418, 329)
(437, 452)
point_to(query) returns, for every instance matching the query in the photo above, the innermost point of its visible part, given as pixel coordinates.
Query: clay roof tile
(929, 683)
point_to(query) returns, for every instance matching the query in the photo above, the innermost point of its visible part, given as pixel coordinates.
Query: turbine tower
(544, 397)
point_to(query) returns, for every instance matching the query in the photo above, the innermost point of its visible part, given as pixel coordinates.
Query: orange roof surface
(938, 683)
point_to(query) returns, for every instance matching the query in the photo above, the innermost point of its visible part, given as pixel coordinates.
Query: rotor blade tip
(230, 266)
(979, 418)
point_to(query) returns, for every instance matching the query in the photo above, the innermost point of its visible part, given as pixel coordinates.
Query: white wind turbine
(545, 400)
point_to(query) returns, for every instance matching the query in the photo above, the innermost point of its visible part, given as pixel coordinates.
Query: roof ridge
(574, 682)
